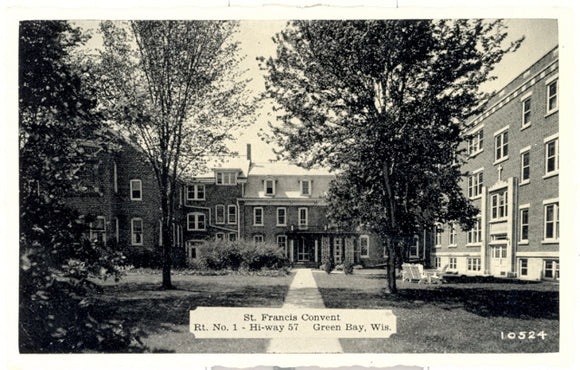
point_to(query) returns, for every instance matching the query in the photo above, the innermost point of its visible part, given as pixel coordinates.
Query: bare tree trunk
(391, 275)
(166, 237)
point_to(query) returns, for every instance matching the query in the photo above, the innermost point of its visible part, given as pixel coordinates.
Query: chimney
(249, 152)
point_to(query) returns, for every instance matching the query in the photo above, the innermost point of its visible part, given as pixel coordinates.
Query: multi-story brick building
(513, 165)
(122, 194)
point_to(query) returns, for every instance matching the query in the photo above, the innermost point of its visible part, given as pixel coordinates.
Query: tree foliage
(382, 103)
(175, 88)
(57, 117)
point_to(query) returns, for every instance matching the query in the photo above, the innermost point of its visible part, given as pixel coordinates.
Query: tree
(175, 88)
(57, 115)
(382, 103)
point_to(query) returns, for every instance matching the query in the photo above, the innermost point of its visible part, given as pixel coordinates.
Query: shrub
(140, 257)
(221, 255)
(328, 264)
(348, 267)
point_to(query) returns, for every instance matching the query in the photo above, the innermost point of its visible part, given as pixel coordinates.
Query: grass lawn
(163, 315)
(460, 316)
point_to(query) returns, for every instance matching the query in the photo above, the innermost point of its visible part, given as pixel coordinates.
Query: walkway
(303, 293)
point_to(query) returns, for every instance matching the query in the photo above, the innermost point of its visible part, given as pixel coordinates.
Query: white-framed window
(258, 216)
(195, 221)
(225, 178)
(473, 264)
(364, 245)
(475, 184)
(452, 234)
(499, 207)
(98, 230)
(552, 96)
(525, 166)
(475, 143)
(437, 262)
(281, 216)
(498, 252)
(523, 267)
(258, 238)
(220, 214)
(269, 187)
(552, 157)
(233, 237)
(282, 241)
(136, 188)
(474, 235)
(501, 146)
(195, 192)
(551, 269)
(305, 187)
(220, 236)
(527, 112)
(551, 221)
(136, 231)
(232, 214)
(414, 247)
(438, 235)
(191, 247)
(524, 224)
(452, 263)
(302, 218)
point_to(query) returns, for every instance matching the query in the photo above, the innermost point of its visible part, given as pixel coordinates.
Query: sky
(255, 37)
(541, 35)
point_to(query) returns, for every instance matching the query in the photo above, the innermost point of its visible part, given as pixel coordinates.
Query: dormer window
(225, 178)
(305, 187)
(269, 187)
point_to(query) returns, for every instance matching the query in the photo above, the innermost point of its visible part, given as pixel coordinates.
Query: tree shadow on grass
(486, 302)
(153, 310)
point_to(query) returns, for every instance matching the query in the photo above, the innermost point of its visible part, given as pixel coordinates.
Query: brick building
(513, 166)
(122, 194)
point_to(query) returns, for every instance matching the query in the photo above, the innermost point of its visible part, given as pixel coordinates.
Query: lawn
(459, 317)
(162, 316)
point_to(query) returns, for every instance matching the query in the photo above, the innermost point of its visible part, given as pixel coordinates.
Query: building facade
(512, 162)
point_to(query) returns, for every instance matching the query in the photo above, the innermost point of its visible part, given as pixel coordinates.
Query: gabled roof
(239, 163)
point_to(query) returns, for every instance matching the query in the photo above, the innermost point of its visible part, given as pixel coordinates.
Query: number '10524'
(522, 335)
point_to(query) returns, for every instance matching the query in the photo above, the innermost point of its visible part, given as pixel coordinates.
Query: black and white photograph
(300, 185)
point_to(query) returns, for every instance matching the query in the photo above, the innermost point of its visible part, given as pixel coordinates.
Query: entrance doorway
(498, 260)
(302, 254)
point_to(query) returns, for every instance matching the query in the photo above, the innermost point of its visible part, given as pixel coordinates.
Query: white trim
(266, 187)
(501, 130)
(195, 221)
(458, 254)
(525, 149)
(196, 188)
(217, 221)
(366, 237)
(117, 229)
(133, 242)
(554, 254)
(140, 189)
(476, 129)
(550, 138)
(261, 236)
(261, 215)
(278, 216)
(309, 187)
(551, 200)
(527, 95)
(551, 79)
(235, 214)
(305, 225)
(477, 171)
(115, 178)
(527, 205)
